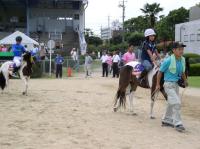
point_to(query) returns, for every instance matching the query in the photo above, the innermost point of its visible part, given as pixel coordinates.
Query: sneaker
(180, 128)
(164, 124)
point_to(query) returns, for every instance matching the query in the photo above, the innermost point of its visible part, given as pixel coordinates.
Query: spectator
(109, 61)
(116, 61)
(129, 55)
(104, 59)
(34, 52)
(88, 65)
(42, 53)
(4, 49)
(59, 60)
(74, 55)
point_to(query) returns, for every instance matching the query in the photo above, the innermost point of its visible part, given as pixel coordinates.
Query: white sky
(98, 11)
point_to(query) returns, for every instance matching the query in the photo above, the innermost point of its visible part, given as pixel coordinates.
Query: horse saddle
(12, 68)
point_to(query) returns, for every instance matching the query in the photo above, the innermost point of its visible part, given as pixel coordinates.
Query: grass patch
(194, 81)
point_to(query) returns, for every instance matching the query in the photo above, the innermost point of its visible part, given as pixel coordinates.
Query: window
(185, 38)
(198, 37)
(76, 16)
(192, 37)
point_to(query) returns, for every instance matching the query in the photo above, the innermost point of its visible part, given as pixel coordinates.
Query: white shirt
(35, 50)
(104, 58)
(74, 55)
(116, 58)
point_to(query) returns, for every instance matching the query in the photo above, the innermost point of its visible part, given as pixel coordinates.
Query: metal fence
(41, 68)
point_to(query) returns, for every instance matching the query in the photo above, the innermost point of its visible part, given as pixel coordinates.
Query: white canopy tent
(26, 40)
(10, 39)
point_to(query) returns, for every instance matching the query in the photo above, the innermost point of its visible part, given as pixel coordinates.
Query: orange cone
(69, 72)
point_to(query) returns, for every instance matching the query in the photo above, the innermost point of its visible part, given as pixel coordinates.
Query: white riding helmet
(149, 32)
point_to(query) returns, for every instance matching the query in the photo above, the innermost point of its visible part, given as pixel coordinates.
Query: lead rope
(183, 93)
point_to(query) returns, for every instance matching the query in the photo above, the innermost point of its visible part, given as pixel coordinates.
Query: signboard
(51, 44)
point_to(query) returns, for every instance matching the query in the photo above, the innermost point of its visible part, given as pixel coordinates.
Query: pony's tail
(120, 95)
(124, 80)
(2, 81)
(122, 98)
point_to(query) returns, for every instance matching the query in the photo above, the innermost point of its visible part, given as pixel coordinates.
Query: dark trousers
(59, 70)
(115, 70)
(105, 69)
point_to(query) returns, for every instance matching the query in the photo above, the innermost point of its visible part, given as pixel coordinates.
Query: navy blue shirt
(18, 50)
(147, 45)
(59, 59)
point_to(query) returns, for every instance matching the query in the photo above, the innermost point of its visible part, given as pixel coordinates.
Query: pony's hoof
(152, 117)
(115, 109)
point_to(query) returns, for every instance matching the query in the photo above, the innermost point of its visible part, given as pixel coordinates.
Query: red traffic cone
(69, 72)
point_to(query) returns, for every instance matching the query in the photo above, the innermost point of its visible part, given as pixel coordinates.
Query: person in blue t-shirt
(17, 50)
(173, 69)
(59, 60)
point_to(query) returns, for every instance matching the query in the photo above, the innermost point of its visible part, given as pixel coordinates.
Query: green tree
(116, 40)
(177, 16)
(198, 4)
(93, 40)
(163, 30)
(135, 38)
(138, 24)
(151, 11)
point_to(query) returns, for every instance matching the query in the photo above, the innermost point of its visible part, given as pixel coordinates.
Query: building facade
(106, 33)
(59, 20)
(189, 32)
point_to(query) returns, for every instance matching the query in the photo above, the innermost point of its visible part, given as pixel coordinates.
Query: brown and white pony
(25, 71)
(128, 84)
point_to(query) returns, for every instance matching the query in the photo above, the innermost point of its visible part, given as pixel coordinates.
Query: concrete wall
(189, 34)
(194, 13)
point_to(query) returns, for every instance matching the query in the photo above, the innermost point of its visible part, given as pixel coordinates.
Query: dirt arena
(76, 113)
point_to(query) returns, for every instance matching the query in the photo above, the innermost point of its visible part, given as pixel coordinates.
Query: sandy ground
(76, 113)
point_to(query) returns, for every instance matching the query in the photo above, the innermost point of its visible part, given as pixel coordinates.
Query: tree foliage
(151, 11)
(166, 26)
(135, 38)
(138, 24)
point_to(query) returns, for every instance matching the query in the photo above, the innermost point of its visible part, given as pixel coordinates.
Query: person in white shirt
(74, 55)
(116, 61)
(104, 59)
(34, 51)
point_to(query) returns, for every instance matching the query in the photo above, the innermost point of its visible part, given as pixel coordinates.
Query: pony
(25, 71)
(128, 84)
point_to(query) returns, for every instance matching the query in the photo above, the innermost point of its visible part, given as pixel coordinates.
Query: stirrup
(14, 75)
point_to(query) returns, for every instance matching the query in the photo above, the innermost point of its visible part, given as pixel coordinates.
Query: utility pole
(122, 5)
(109, 30)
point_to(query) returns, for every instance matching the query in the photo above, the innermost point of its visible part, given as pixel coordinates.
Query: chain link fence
(41, 68)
